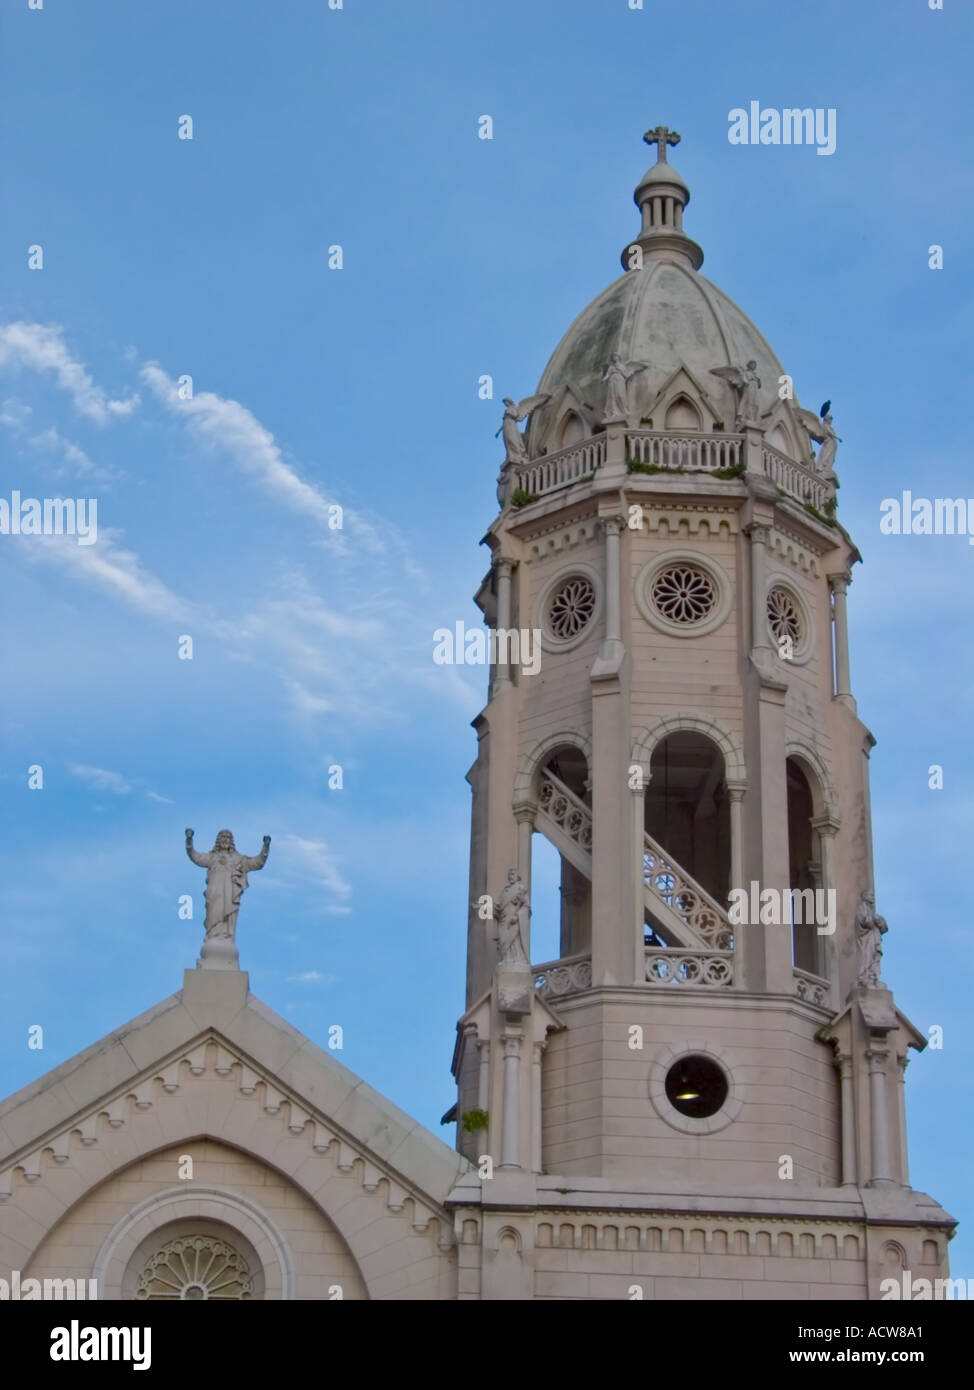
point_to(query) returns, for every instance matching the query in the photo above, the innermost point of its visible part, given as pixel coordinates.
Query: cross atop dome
(661, 137)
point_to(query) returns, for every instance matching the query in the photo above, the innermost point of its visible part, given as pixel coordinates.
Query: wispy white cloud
(14, 414)
(40, 347)
(230, 428)
(306, 702)
(312, 862)
(120, 572)
(312, 977)
(351, 654)
(104, 779)
(51, 441)
(101, 779)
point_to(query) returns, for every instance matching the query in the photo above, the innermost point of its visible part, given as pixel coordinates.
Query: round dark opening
(696, 1086)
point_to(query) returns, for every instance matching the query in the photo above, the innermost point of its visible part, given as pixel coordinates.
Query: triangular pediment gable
(545, 437)
(680, 383)
(215, 1029)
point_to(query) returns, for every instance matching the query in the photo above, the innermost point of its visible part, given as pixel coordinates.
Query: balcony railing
(706, 969)
(813, 989)
(554, 471)
(689, 453)
(568, 811)
(569, 975)
(795, 479)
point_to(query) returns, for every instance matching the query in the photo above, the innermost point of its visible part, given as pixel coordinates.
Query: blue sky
(164, 257)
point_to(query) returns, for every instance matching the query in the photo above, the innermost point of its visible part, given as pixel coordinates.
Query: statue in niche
(617, 376)
(226, 880)
(821, 429)
(514, 411)
(745, 383)
(513, 919)
(870, 930)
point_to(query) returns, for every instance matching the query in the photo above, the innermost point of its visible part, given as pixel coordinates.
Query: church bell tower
(714, 1036)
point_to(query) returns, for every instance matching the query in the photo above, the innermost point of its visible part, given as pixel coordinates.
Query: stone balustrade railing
(683, 895)
(555, 978)
(554, 471)
(567, 810)
(692, 452)
(795, 479)
(708, 969)
(812, 988)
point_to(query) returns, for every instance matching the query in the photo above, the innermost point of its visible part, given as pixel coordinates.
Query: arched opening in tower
(688, 810)
(561, 890)
(803, 868)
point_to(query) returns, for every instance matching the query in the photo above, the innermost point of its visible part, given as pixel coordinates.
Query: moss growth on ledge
(634, 466)
(521, 498)
(827, 517)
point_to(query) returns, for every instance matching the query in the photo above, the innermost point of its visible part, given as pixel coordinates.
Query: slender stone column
(613, 574)
(536, 1107)
(638, 849)
(510, 1138)
(736, 795)
(612, 882)
(502, 571)
(847, 1105)
(827, 828)
(878, 1118)
(839, 584)
(483, 1078)
(903, 1062)
(759, 532)
(524, 815)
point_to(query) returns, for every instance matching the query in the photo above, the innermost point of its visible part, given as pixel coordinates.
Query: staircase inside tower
(688, 937)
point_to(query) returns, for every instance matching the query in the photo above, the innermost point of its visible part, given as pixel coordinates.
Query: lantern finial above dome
(661, 197)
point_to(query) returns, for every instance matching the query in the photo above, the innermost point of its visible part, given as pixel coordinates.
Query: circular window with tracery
(571, 607)
(784, 616)
(684, 594)
(196, 1268)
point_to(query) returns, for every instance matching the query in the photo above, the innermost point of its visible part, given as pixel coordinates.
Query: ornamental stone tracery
(196, 1268)
(571, 607)
(684, 594)
(784, 615)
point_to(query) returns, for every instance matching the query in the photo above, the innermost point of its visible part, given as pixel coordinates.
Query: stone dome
(663, 315)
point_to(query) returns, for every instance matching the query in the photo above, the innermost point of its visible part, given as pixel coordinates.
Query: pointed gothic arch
(682, 414)
(571, 430)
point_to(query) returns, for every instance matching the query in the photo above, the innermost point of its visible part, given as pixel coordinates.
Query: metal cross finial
(661, 137)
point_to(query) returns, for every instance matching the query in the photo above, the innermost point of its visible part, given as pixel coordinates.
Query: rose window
(684, 594)
(571, 607)
(784, 617)
(196, 1267)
